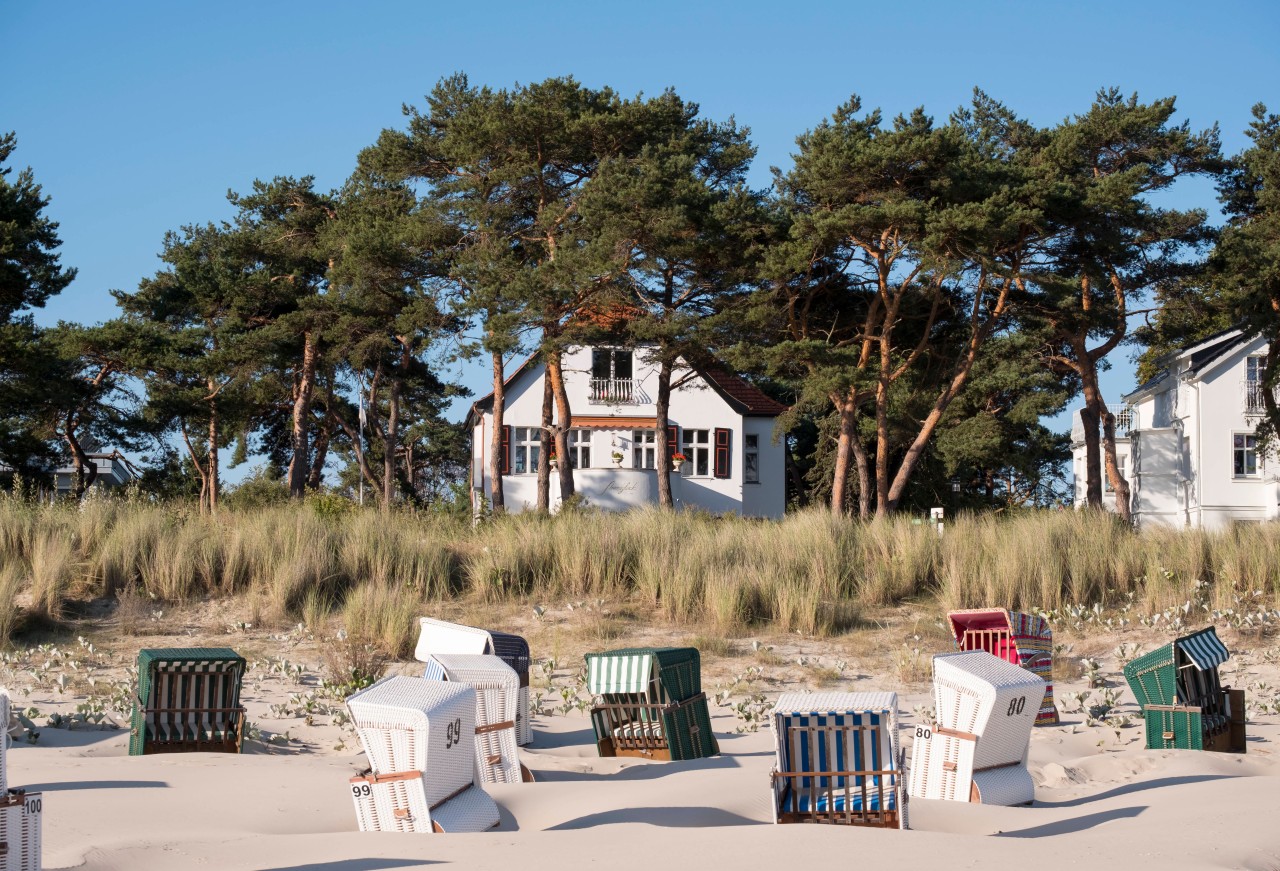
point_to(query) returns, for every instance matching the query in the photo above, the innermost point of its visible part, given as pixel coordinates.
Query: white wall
(695, 406)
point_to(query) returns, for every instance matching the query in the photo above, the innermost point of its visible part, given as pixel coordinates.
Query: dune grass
(809, 573)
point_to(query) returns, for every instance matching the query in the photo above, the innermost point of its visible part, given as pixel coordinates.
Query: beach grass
(809, 573)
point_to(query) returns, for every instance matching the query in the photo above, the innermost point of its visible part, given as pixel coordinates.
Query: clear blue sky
(138, 117)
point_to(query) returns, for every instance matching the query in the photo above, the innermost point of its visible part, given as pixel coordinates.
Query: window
(1253, 369)
(613, 363)
(1106, 479)
(526, 448)
(1245, 455)
(580, 449)
(697, 447)
(751, 459)
(644, 450)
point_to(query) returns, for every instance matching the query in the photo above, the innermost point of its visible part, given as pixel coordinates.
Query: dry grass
(809, 573)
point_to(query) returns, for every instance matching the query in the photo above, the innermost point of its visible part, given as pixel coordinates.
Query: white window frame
(1245, 438)
(1257, 363)
(644, 449)
(750, 458)
(697, 447)
(526, 445)
(579, 449)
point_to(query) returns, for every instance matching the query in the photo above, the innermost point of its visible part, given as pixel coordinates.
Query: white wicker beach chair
(20, 819)
(426, 728)
(497, 699)
(837, 759)
(977, 748)
(440, 636)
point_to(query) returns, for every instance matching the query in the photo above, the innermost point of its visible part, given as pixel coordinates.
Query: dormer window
(611, 375)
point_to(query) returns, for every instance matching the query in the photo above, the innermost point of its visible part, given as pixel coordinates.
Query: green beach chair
(651, 703)
(188, 701)
(1182, 698)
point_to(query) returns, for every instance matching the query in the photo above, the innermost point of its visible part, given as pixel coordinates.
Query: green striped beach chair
(188, 701)
(651, 703)
(1183, 701)
(837, 760)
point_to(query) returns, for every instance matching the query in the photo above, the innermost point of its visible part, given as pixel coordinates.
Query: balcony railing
(1254, 399)
(617, 391)
(1126, 420)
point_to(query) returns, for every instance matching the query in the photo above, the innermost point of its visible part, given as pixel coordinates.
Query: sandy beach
(1100, 798)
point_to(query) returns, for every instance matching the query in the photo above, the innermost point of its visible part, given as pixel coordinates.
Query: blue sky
(138, 117)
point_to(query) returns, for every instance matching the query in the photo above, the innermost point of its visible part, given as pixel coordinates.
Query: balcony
(1126, 420)
(617, 391)
(1254, 401)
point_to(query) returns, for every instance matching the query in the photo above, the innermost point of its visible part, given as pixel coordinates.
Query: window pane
(702, 462)
(751, 471)
(1239, 441)
(753, 442)
(519, 464)
(621, 363)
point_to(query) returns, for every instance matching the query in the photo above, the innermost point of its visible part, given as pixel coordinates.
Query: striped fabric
(1204, 649)
(1026, 640)
(188, 697)
(814, 742)
(614, 673)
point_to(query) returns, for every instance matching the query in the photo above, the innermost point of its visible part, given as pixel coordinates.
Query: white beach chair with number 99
(976, 750)
(420, 739)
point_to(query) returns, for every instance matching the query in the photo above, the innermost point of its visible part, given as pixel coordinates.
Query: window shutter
(722, 468)
(673, 440)
(504, 459)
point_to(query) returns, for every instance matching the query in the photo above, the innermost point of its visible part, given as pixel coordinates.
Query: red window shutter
(504, 459)
(673, 440)
(723, 437)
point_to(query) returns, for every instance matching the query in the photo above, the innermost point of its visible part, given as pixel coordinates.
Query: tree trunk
(565, 418)
(844, 450)
(196, 464)
(300, 463)
(662, 450)
(390, 438)
(864, 474)
(213, 449)
(882, 443)
(1118, 482)
(83, 481)
(1090, 419)
(323, 436)
(497, 497)
(544, 446)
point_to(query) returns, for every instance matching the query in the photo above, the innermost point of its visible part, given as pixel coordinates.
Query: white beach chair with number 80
(976, 750)
(419, 736)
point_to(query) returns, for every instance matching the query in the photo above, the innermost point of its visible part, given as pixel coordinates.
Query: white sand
(1094, 807)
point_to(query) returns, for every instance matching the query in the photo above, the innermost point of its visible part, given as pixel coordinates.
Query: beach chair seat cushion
(637, 730)
(188, 699)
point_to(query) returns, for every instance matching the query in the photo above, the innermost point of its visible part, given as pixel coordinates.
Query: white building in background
(723, 424)
(1185, 439)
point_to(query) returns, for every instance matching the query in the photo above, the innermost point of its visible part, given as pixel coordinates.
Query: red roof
(745, 397)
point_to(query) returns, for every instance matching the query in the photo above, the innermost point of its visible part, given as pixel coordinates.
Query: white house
(1185, 439)
(722, 424)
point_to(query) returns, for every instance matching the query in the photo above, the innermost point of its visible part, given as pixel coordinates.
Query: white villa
(722, 424)
(1185, 439)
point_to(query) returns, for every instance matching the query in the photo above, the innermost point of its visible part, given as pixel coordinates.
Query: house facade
(722, 424)
(1185, 440)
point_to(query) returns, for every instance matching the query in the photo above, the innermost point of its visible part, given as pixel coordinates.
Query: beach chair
(5, 714)
(1023, 639)
(419, 736)
(188, 700)
(1183, 701)
(651, 704)
(837, 760)
(439, 636)
(976, 749)
(21, 814)
(497, 700)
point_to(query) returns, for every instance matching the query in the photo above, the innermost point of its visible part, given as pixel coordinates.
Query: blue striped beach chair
(837, 760)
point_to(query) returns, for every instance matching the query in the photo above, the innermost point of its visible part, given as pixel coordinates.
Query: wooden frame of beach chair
(837, 760)
(409, 727)
(188, 701)
(21, 815)
(440, 636)
(1183, 702)
(976, 750)
(651, 704)
(497, 699)
(1023, 639)
(5, 714)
